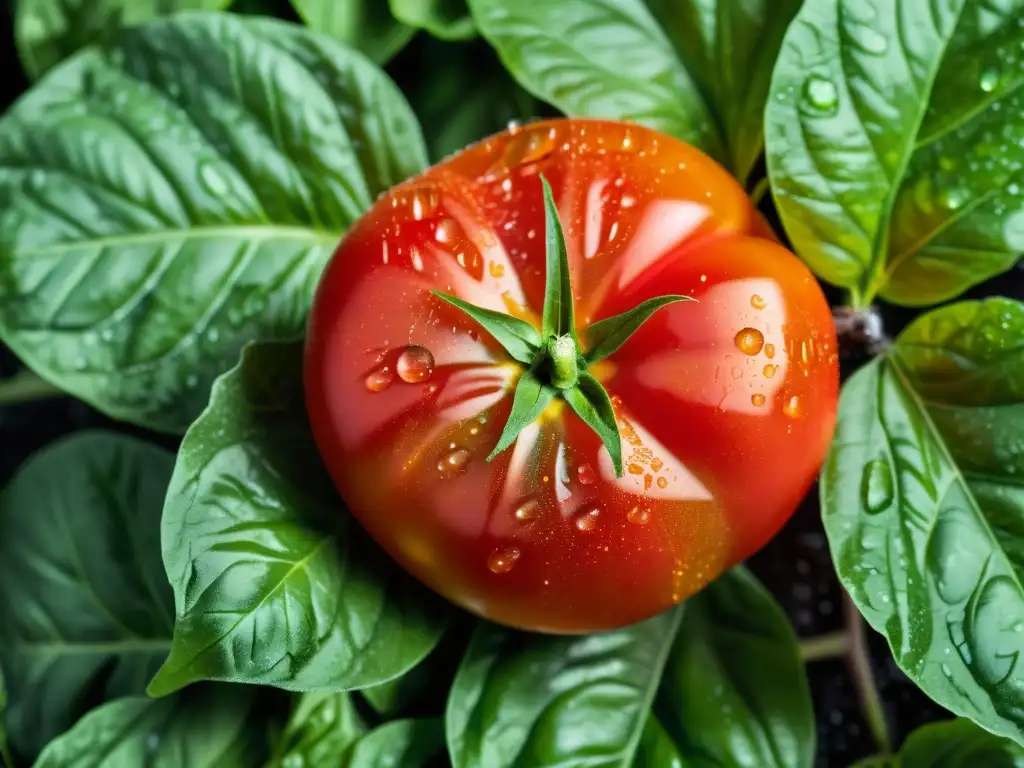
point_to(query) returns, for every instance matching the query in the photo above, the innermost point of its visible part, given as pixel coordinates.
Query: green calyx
(557, 362)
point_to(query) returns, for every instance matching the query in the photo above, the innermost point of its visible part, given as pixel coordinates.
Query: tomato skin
(722, 435)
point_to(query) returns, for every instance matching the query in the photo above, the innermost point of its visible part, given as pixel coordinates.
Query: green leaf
(209, 727)
(958, 744)
(717, 681)
(444, 19)
(531, 398)
(923, 505)
(702, 78)
(405, 743)
(87, 611)
(558, 319)
(591, 403)
(606, 336)
(891, 143)
(364, 24)
(171, 198)
(321, 731)
(5, 753)
(48, 31)
(274, 582)
(520, 339)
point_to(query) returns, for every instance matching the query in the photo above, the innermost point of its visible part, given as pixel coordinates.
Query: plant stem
(863, 680)
(830, 646)
(24, 387)
(759, 190)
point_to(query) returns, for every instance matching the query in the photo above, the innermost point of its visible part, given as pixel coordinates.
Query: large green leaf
(87, 612)
(893, 143)
(320, 731)
(923, 503)
(171, 198)
(364, 24)
(444, 19)
(48, 31)
(703, 77)
(951, 744)
(274, 582)
(209, 727)
(5, 754)
(399, 744)
(717, 681)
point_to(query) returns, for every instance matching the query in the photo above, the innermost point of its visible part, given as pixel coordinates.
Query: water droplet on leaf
(876, 488)
(820, 94)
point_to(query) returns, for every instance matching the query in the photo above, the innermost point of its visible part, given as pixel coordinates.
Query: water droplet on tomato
(527, 147)
(380, 380)
(627, 201)
(415, 258)
(657, 464)
(757, 302)
(496, 269)
(635, 469)
(749, 341)
(454, 462)
(757, 399)
(446, 230)
(769, 370)
(415, 364)
(585, 474)
(638, 516)
(793, 407)
(769, 351)
(876, 487)
(527, 510)
(502, 559)
(663, 482)
(423, 203)
(587, 520)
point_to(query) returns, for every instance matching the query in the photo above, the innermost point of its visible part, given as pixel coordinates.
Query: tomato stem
(565, 370)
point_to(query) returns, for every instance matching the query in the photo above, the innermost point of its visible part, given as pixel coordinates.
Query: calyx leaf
(558, 319)
(608, 335)
(520, 339)
(591, 403)
(531, 398)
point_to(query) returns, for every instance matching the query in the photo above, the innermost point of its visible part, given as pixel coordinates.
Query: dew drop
(527, 510)
(876, 489)
(657, 464)
(213, 180)
(380, 380)
(416, 258)
(527, 147)
(793, 407)
(497, 270)
(820, 94)
(663, 482)
(769, 351)
(769, 370)
(749, 341)
(757, 399)
(454, 462)
(415, 364)
(635, 469)
(587, 520)
(989, 79)
(954, 198)
(758, 302)
(627, 201)
(638, 516)
(502, 559)
(585, 474)
(445, 231)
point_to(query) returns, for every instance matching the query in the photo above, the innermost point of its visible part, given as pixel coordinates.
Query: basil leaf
(444, 19)
(274, 582)
(591, 403)
(405, 743)
(728, 49)
(558, 318)
(958, 744)
(923, 506)
(890, 144)
(320, 731)
(87, 611)
(531, 398)
(47, 32)
(204, 728)
(703, 78)
(168, 199)
(717, 681)
(364, 24)
(606, 336)
(520, 339)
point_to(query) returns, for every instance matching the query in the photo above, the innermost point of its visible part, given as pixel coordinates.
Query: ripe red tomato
(725, 406)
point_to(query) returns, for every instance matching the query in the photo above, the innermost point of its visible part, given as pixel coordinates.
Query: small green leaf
(558, 317)
(367, 25)
(88, 613)
(531, 398)
(520, 339)
(591, 403)
(175, 195)
(321, 731)
(923, 505)
(957, 744)
(47, 32)
(606, 336)
(717, 681)
(444, 19)
(207, 727)
(405, 743)
(274, 581)
(891, 144)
